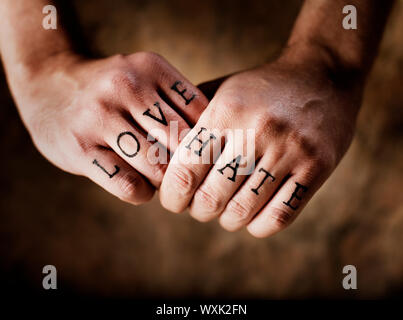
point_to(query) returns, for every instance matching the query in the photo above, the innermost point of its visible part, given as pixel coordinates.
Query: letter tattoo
(128, 133)
(237, 160)
(266, 175)
(182, 93)
(295, 195)
(110, 175)
(160, 120)
(203, 143)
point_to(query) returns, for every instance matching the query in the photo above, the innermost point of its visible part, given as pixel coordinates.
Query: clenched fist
(92, 117)
(303, 120)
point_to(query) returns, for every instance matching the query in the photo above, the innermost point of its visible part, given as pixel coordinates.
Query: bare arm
(319, 29)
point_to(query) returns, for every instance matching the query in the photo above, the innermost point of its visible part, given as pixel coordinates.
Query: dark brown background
(104, 247)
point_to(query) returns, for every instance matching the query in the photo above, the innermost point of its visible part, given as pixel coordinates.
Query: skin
(75, 108)
(303, 107)
(82, 114)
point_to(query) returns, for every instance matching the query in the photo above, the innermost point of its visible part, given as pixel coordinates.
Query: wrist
(322, 59)
(58, 62)
(30, 83)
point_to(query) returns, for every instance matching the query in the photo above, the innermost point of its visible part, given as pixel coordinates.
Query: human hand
(304, 118)
(91, 117)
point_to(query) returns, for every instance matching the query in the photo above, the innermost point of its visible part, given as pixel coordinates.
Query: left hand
(304, 122)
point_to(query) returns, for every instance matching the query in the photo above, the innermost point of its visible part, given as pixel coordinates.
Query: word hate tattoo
(237, 160)
(295, 195)
(161, 120)
(203, 143)
(182, 92)
(266, 175)
(128, 133)
(110, 175)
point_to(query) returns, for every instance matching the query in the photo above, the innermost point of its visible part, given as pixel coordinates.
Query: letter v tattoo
(162, 120)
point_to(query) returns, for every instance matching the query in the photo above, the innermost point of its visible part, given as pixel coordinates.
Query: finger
(129, 142)
(286, 204)
(107, 169)
(188, 167)
(257, 190)
(181, 94)
(227, 174)
(158, 119)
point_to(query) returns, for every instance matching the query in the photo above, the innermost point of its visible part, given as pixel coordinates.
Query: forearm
(25, 45)
(319, 34)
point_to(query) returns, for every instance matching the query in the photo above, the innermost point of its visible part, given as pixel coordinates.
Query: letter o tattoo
(130, 155)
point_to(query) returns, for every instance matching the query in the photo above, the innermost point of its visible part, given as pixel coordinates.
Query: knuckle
(119, 78)
(118, 59)
(238, 209)
(321, 165)
(207, 200)
(222, 112)
(158, 172)
(272, 125)
(81, 143)
(280, 217)
(146, 58)
(128, 186)
(306, 144)
(115, 80)
(183, 180)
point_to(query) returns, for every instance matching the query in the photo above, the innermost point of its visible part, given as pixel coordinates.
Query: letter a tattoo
(160, 120)
(237, 160)
(295, 195)
(110, 175)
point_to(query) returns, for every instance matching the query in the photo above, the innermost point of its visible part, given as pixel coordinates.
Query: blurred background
(105, 248)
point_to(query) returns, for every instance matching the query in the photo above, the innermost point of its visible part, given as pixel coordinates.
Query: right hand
(86, 115)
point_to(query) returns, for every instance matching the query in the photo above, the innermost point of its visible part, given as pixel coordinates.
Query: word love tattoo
(110, 175)
(182, 92)
(162, 118)
(203, 143)
(295, 195)
(266, 175)
(128, 133)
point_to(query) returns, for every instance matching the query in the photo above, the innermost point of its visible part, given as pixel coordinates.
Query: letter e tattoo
(182, 93)
(295, 195)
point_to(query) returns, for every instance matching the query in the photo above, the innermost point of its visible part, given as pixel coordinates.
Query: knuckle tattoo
(131, 153)
(110, 174)
(188, 99)
(296, 196)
